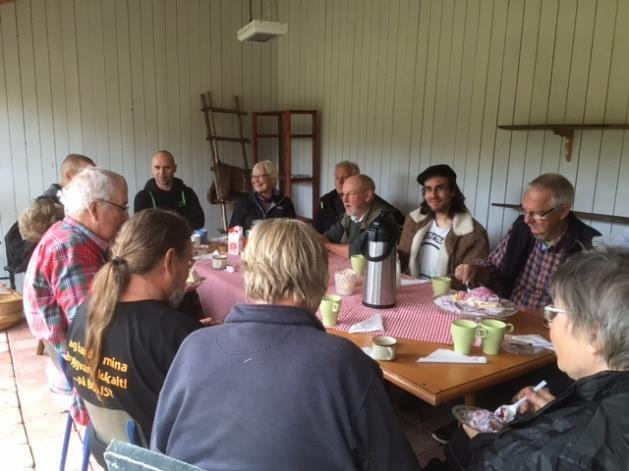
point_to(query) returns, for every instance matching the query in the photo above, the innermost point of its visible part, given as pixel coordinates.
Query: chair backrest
(121, 456)
(112, 424)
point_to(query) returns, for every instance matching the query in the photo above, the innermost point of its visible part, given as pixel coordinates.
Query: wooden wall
(403, 84)
(117, 80)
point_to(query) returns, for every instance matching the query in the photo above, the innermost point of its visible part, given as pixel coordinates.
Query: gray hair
(560, 186)
(285, 258)
(89, 185)
(594, 288)
(353, 168)
(366, 182)
(268, 168)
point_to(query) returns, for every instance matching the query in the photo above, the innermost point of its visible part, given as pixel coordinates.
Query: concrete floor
(32, 419)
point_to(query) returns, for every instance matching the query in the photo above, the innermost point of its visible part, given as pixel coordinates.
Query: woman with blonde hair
(271, 389)
(122, 341)
(264, 202)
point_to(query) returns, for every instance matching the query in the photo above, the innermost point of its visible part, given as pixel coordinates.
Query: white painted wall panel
(408, 84)
(118, 80)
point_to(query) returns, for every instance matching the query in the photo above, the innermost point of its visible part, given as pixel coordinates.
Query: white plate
(448, 303)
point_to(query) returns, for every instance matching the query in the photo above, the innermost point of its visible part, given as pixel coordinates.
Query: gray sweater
(271, 390)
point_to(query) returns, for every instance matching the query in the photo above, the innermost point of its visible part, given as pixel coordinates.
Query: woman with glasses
(264, 202)
(586, 426)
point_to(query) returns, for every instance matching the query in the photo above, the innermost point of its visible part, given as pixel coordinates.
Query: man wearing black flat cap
(441, 233)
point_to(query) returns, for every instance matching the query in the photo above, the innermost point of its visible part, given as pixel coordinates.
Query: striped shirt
(531, 286)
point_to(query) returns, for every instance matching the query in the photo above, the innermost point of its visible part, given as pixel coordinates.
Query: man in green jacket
(349, 235)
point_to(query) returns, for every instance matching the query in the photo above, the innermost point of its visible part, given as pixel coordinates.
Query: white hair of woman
(268, 168)
(89, 185)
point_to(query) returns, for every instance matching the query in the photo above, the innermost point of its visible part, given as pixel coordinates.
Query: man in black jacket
(331, 206)
(19, 250)
(521, 267)
(164, 191)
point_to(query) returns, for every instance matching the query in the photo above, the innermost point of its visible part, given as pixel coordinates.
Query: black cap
(441, 170)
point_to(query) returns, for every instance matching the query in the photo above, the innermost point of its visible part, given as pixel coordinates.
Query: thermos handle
(380, 258)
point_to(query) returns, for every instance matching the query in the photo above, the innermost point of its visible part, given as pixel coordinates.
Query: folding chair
(121, 456)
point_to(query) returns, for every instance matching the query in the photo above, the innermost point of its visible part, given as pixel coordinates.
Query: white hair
(89, 185)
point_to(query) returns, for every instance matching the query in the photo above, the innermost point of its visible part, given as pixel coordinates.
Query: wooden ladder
(208, 113)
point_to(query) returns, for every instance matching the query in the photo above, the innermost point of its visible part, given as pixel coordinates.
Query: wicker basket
(10, 309)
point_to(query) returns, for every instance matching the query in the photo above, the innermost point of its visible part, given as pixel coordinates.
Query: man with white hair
(523, 264)
(71, 252)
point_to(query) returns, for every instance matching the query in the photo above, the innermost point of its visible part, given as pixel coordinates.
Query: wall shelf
(592, 216)
(564, 130)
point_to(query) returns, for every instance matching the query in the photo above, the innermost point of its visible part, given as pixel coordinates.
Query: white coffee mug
(383, 348)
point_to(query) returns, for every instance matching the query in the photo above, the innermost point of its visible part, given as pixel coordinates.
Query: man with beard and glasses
(124, 338)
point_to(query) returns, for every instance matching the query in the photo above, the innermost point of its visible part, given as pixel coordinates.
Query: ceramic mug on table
(358, 264)
(495, 331)
(464, 332)
(383, 348)
(440, 285)
(330, 308)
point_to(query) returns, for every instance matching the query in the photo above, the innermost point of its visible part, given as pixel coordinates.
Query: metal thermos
(380, 280)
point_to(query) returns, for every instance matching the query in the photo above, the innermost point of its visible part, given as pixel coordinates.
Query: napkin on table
(368, 325)
(414, 281)
(443, 355)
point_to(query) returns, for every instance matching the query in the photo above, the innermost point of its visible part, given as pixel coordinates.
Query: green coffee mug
(440, 285)
(330, 308)
(358, 264)
(495, 331)
(463, 334)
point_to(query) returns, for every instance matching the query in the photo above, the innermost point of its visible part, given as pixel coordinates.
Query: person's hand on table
(465, 273)
(536, 400)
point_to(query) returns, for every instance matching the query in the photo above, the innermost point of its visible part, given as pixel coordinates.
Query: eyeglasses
(352, 194)
(538, 215)
(550, 312)
(259, 177)
(120, 207)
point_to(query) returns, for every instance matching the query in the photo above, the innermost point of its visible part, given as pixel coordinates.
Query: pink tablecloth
(413, 317)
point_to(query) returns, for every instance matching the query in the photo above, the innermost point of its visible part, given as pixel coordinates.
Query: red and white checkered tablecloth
(413, 317)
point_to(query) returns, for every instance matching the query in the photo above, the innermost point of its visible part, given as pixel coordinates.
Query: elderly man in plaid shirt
(66, 259)
(521, 267)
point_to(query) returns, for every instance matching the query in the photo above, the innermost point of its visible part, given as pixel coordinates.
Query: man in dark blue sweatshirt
(164, 191)
(270, 389)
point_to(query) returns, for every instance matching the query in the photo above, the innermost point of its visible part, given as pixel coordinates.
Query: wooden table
(434, 383)
(437, 383)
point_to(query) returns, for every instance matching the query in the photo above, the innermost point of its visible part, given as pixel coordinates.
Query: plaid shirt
(58, 279)
(531, 286)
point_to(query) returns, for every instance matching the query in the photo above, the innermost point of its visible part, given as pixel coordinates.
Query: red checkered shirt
(58, 279)
(530, 290)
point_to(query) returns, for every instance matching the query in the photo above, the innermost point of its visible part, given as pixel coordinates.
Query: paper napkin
(443, 355)
(368, 325)
(414, 281)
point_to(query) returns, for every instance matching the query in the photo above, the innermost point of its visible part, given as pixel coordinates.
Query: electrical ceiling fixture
(260, 30)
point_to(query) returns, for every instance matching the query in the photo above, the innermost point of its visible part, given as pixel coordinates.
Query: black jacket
(331, 208)
(19, 251)
(587, 427)
(271, 390)
(578, 236)
(181, 198)
(248, 209)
